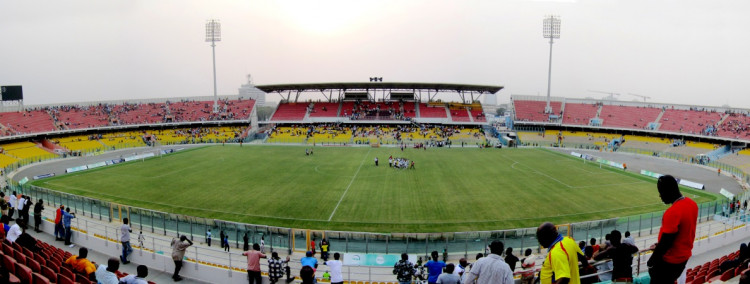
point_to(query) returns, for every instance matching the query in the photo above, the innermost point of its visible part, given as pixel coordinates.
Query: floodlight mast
(550, 30)
(213, 34)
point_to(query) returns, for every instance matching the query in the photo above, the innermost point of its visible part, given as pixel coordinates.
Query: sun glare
(322, 17)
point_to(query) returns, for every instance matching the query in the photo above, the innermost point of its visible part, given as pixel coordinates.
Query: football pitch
(459, 189)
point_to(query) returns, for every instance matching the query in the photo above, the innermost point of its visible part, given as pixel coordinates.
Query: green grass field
(341, 189)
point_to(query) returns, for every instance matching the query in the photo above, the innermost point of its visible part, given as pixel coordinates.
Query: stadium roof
(379, 86)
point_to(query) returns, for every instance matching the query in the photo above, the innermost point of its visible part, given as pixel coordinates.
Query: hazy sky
(677, 51)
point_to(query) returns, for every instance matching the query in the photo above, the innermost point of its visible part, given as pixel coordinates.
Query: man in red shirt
(676, 234)
(59, 231)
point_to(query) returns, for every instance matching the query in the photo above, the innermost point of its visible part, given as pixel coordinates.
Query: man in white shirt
(20, 203)
(125, 240)
(335, 265)
(12, 204)
(491, 269)
(13, 233)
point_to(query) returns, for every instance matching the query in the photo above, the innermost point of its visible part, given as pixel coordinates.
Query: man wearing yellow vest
(561, 264)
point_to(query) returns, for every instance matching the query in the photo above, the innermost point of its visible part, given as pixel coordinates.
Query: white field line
(350, 184)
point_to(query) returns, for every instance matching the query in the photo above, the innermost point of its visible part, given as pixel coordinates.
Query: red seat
(35, 266)
(39, 279)
(23, 272)
(9, 264)
(82, 279)
(19, 257)
(40, 259)
(17, 247)
(67, 272)
(49, 273)
(62, 279)
(729, 274)
(55, 266)
(7, 249)
(713, 273)
(27, 252)
(699, 280)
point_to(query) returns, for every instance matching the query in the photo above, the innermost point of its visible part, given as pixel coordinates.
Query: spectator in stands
(3, 204)
(622, 257)
(105, 274)
(67, 217)
(125, 240)
(226, 242)
(461, 267)
(59, 231)
(307, 274)
(245, 242)
(80, 264)
(510, 259)
(594, 246)
(448, 277)
(527, 264)
(15, 231)
(562, 258)
(491, 269)
(676, 235)
(324, 246)
(140, 278)
(312, 246)
(26, 208)
(434, 268)
(20, 203)
(178, 253)
(38, 208)
(12, 204)
(253, 264)
(335, 265)
(275, 271)
(309, 260)
(404, 270)
(733, 263)
(628, 239)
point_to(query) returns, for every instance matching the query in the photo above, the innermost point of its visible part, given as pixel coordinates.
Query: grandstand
(650, 127)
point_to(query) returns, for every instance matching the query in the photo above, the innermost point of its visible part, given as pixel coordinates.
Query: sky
(674, 51)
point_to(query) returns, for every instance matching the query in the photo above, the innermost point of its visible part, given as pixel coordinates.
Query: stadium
(374, 168)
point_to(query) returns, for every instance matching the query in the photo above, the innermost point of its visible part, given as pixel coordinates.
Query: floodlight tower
(213, 35)
(551, 30)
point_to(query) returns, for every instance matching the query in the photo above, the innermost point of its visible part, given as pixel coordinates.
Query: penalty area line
(350, 185)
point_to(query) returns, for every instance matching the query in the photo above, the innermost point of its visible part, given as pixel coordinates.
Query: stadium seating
(28, 121)
(409, 109)
(734, 126)
(325, 110)
(238, 109)
(287, 135)
(628, 116)
(140, 113)
(290, 111)
(432, 111)
(82, 117)
(579, 114)
(80, 143)
(534, 110)
(191, 110)
(460, 115)
(688, 121)
(130, 138)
